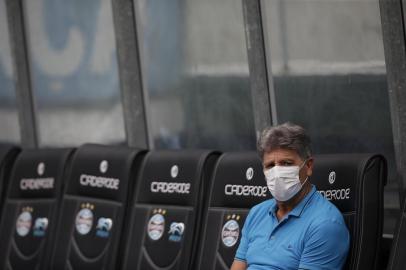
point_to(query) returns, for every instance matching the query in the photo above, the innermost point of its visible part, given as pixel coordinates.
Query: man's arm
(240, 261)
(326, 246)
(238, 265)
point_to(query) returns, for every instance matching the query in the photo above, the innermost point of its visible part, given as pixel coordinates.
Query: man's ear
(309, 166)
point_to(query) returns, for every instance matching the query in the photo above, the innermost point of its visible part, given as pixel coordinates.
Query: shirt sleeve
(241, 253)
(326, 247)
(243, 247)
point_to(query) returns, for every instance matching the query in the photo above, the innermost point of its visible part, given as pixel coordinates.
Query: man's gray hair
(285, 136)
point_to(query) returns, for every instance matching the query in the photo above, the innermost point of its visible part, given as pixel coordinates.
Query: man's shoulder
(325, 211)
(261, 209)
(264, 206)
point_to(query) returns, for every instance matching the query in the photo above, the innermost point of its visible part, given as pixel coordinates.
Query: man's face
(287, 157)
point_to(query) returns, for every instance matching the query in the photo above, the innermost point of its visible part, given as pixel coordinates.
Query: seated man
(298, 228)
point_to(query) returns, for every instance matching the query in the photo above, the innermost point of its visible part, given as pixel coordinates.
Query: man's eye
(286, 163)
(269, 166)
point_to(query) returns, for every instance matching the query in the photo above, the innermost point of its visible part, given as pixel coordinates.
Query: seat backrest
(354, 184)
(238, 184)
(165, 215)
(93, 207)
(8, 154)
(29, 217)
(397, 259)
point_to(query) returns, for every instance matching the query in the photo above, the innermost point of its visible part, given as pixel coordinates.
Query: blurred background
(175, 74)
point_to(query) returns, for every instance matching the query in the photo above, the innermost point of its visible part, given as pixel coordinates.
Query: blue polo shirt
(311, 236)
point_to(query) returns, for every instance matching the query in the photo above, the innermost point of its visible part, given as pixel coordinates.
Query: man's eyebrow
(266, 164)
(287, 159)
(272, 162)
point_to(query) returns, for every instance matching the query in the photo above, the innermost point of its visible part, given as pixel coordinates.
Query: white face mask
(283, 181)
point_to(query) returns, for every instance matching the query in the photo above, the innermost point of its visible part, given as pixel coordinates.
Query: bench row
(105, 207)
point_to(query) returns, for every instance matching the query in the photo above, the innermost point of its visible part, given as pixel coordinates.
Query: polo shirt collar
(297, 211)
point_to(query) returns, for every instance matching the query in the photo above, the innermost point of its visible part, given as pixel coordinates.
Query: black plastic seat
(238, 184)
(29, 217)
(354, 183)
(93, 207)
(166, 213)
(8, 154)
(397, 259)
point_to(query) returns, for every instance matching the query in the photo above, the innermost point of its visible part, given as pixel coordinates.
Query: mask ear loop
(305, 181)
(304, 162)
(301, 167)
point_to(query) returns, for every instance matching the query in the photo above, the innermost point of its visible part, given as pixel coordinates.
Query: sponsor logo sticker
(41, 168)
(156, 225)
(245, 190)
(103, 227)
(99, 182)
(176, 231)
(84, 219)
(249, 173)
(24, 222)
(104, 165)
(171, 187)
(37, 184)
(231, 231)
(40, 226)
(174, 171)
(336, 194)
(332, 177)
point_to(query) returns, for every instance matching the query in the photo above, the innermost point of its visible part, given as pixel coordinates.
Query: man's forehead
(281, 153)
